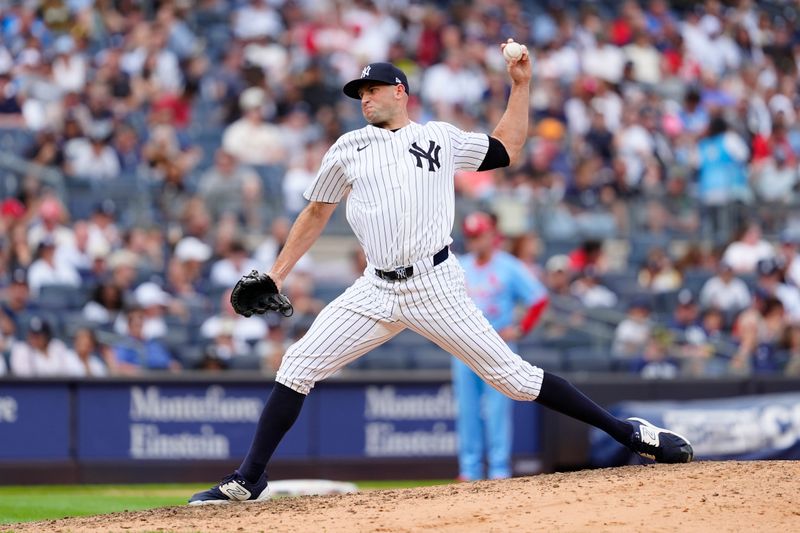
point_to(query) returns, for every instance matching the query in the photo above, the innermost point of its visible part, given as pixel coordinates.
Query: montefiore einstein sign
(185, 426)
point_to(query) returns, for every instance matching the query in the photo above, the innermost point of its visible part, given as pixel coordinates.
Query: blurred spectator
(725, 291)
(770, 282)
(659, 273)
(299, 288)
(588, 255)
(134, 352)
(758, 331)
(233, 265)
(245, 332)
(230, 188)
(93, 157)
(633, 333)
(10, 108)
(655, 360)
(17, 302)
(183, 290)
(452, 82)
(192, 254)
(152, 303)
(103, 229)
(250, 139)
(88, 352)
(42, 355)
(591, 201)
(7, 334)
(272, 347)
(70, 70)
(270, 247)
(256, 18)
(789, 256)
(213, 360)
(747, 250)
(105, 304)
(50, 223)
(527, 247)
(706, 355)
(722, 157)
(685, 326)
(591, 293)
(791, 344)
(123, 265)
(302, 171)
(774, 179)
(47, 269)
(147, 243)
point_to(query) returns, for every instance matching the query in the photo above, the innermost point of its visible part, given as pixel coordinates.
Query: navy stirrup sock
(560, 395)
(279, 414)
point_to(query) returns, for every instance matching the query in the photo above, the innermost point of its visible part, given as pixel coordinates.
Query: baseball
(512, 51)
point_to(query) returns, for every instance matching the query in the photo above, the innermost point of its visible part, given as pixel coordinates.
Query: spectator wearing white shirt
(744, 253)
(452, 83)
(69, 68)
(47, 270)
(86, 349)
(94, 158)
(604, 60)
(49, 224)
(633, 332)
(250, 139)
(227, 271)
(192, 254)
(590, 292)
(246, 332)
(42, 355)
(646, 59)
(152, 301)
(725, 291)
(256, 19)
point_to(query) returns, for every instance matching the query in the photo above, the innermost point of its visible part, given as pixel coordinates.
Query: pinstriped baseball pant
(434, 304)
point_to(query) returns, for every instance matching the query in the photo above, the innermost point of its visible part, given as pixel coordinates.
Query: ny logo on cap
(365, 71)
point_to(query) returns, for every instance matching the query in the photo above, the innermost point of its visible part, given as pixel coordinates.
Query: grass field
(20, 504)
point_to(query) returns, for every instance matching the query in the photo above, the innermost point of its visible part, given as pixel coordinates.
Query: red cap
(12, 208)
(477, 223)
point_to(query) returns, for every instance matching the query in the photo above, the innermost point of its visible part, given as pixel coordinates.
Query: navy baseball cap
(380, 72)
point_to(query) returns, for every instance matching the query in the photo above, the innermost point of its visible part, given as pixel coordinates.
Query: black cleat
(660, 445)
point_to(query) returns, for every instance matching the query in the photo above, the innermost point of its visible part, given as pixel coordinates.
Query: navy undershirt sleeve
(496, 156)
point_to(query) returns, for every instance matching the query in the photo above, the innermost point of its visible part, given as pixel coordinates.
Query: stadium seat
(61, 297)
(581, 359)
(244, 362)
(549, 359)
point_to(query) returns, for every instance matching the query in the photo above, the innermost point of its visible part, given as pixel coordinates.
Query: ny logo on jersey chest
(432, 155)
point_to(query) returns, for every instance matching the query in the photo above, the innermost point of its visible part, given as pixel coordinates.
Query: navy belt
(401, 273)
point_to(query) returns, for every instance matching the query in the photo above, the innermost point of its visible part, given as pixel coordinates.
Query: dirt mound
(705, 496)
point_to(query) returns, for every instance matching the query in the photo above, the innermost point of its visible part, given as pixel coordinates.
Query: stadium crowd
(153, 152)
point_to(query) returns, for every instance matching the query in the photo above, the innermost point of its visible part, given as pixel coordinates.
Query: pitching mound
(730, 496)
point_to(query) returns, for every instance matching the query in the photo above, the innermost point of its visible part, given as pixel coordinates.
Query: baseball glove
(256, 294)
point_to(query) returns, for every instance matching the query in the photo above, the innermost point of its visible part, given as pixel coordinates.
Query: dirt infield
(705, 496)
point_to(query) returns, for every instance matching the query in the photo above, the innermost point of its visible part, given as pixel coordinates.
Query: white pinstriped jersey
(402, 201)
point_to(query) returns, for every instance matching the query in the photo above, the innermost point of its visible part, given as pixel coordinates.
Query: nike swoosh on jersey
(362, 147)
